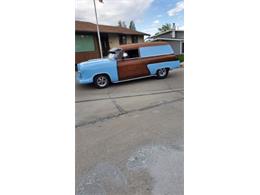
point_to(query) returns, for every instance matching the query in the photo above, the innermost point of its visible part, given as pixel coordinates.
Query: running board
(134, 79)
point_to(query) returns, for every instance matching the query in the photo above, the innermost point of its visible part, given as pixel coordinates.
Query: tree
(165, 27)
(132, 25)
(122, 24)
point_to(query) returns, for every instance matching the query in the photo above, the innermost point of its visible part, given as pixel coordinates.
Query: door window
(132, 54)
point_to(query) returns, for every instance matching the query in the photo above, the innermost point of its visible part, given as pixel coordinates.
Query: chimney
(173, 30)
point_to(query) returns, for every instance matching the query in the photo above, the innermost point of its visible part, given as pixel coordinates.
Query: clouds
(111, 11)
(156, 22)
(178, 8)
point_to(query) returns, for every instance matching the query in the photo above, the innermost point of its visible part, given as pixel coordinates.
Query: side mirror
(125, 55)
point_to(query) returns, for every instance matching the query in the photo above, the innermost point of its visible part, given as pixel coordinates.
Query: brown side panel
(128, 69)
(132, 68)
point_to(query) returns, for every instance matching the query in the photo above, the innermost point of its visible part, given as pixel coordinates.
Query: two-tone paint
(152, 57)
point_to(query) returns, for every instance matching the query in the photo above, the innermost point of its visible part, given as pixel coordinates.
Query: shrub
(181, 57)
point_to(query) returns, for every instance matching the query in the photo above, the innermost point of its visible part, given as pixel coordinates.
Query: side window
(122, 39)
(132, 54)
(156, 50)
(134, 39)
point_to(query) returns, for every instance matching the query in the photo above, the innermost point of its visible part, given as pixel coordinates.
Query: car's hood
(93, 62)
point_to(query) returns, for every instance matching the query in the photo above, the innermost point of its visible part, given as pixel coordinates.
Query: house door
(105, 44)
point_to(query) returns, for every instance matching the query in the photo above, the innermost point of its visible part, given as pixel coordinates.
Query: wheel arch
(102, 73)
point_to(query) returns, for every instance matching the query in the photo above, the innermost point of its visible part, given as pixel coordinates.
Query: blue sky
(159, 13)
(148, 15)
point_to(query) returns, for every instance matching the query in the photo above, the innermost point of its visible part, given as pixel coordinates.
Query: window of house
(84, 43)
(122, 39)
(182, 48)
(132, 53)
(134, 39)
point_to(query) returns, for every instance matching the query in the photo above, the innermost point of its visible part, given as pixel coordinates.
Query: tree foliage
(165, 27)
(132, 25)
(122, 24)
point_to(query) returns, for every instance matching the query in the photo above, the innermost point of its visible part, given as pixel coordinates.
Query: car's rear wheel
(101, 81)
(162, 73)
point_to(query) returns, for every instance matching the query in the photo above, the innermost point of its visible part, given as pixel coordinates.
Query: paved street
(129, 137)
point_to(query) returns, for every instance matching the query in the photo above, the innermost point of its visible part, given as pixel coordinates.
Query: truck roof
(138, 45)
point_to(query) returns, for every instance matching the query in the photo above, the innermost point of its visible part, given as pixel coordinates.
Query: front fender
(87, 72)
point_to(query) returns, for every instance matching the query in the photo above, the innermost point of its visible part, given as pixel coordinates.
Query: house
(86, 39)
(174, 37)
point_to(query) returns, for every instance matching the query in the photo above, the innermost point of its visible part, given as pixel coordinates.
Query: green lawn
(181, 57)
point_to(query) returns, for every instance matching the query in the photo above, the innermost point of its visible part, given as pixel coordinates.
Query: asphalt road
(129, 137)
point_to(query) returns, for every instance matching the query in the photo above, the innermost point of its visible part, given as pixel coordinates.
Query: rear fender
(169, 64)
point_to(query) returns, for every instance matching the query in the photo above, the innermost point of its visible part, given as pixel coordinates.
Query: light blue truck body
(89, 69)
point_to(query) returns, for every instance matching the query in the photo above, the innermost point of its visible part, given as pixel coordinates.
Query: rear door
(132, 66)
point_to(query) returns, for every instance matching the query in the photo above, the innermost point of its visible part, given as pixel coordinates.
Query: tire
(101, 81)
(162, 73)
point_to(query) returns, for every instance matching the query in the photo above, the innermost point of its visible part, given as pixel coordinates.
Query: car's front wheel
(101, 81)
(162, 73)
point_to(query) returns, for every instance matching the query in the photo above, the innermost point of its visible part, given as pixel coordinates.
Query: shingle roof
(81, 26)
(161, 33)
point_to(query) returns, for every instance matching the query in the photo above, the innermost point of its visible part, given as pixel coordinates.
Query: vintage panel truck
(128, 62)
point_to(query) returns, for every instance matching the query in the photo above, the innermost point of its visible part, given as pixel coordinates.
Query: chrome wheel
(102, 81)
(162, 72)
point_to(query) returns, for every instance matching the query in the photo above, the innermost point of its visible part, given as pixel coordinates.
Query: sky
(148, 15)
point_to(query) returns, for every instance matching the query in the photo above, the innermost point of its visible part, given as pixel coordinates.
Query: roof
(159, 34)
(145, 44)
(81, 26)
(166, 39)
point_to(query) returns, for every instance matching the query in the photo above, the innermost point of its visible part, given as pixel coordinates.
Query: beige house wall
(129, 39)
(113, 40)
(140, 39)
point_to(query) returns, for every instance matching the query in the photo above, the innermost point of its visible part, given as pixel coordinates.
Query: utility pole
(98, 33)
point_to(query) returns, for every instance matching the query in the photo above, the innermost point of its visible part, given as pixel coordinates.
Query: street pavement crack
(119, 108)
(123, 112)
(131, 95)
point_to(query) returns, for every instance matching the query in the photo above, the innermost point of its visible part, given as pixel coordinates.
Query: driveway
(129, 137)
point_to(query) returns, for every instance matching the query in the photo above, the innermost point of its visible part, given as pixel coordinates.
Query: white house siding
(176, 46)
(129, 39)
(178, 35)
(113, 40)
(140, 39)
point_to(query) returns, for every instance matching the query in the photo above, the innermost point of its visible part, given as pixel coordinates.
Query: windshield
(114, 53)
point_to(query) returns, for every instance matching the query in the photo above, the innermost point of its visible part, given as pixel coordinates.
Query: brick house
(86, 40)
